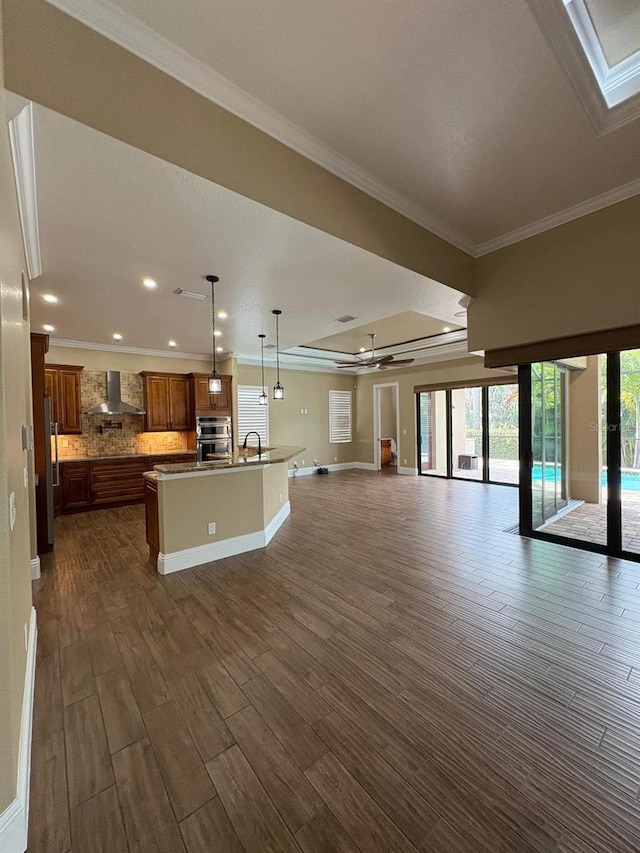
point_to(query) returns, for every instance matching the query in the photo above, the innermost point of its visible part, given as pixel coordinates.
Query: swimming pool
(630, 480)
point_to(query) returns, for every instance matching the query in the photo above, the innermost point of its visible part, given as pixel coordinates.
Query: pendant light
(278, 389)
(215, 382)
(263, 399)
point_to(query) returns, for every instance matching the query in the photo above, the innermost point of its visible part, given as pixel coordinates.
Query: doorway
(548, 441)
(386, 426)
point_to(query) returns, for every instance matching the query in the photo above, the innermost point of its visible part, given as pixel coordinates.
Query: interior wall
(466, 369)
(49, 53)
(577, 278)
(15, 545)
(388, 423)
(302, 418)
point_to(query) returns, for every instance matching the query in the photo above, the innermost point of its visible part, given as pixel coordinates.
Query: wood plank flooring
(392, 673)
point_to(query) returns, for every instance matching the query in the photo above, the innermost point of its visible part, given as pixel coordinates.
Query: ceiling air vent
(190, 294)
(346, 319)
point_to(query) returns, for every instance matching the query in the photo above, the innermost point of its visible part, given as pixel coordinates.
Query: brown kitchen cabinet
(62, 384)
(206, 404)
(166, 402)
(116, 481)
(107, 482)
(74, 485)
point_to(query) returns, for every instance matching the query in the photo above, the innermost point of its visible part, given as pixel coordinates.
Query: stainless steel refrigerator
(52, 466)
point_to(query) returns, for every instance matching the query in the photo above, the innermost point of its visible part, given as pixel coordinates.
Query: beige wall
(56, 61)
(239, 502)
(580, 277)
(289, 426)
(15, 551)
(128, 362)
(388, 413)
(467, 369)
(584, 432)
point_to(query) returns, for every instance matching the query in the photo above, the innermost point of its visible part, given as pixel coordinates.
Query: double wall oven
(213, 438)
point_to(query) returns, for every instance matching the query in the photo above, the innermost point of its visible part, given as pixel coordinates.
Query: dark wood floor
(393, 673)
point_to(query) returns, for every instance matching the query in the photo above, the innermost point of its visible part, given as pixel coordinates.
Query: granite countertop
(127, 456)
(271, 456)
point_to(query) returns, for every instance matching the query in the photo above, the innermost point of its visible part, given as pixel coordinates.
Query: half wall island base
(201, 512)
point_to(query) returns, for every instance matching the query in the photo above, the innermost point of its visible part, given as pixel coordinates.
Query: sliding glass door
(548, 441)
(469, 433)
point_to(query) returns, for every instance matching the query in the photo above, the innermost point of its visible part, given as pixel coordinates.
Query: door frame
(377, 464)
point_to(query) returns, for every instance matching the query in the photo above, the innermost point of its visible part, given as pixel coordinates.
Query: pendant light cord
(213, 326)
(277, 348)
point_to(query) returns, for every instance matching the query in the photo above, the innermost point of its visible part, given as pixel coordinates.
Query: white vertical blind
(339, 416)
(251, 415)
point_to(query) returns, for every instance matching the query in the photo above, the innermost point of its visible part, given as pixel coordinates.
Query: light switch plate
(12, 510)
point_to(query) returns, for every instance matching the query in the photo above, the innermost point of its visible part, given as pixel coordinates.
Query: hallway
(391, 673)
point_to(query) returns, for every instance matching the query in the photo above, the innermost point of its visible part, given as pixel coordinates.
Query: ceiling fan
(376, 362)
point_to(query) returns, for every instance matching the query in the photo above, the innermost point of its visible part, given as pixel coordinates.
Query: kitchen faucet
(253, 432)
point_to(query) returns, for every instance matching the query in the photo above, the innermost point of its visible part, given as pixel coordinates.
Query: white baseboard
(365, 466)
(410, 472)
(14, 820)
(35, 568)
(176, 561)
(334, 466)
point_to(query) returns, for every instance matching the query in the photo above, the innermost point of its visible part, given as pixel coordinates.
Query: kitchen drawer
(135, 463)
(171, 459)
(74, 467)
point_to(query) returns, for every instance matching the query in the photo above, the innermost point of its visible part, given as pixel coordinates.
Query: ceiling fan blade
(354, 364)
(401, 361)
(383, 359)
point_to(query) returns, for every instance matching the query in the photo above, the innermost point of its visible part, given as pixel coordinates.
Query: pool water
(630, 481)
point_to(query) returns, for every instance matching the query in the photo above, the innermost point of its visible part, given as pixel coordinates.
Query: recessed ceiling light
(219, 349)
(173, 343)
(223, 315)
(150, 283)
(117, 336)
(49, 297)
(446, 329)
(363, 349)
(218, 333)
(48, 327)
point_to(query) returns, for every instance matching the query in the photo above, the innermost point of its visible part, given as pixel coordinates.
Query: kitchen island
(199, 512)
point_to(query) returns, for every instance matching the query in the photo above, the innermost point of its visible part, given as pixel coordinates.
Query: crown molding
(584, 208)
(141, 40)
(22, 154)
(159, 353)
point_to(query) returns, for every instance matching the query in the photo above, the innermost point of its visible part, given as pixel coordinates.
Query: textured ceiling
(109, 215)
(462, 108)
(390, 331)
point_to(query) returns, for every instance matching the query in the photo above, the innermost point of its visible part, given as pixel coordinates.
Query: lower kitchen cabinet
(74, 485)
(108, 482)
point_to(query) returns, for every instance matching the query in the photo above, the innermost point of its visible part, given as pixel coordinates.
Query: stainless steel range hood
(113, 405)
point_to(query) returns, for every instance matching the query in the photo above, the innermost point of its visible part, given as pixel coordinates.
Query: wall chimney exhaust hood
(113, 405)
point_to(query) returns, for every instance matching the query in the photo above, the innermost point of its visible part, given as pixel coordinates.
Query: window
(251, 415)
(339, 416)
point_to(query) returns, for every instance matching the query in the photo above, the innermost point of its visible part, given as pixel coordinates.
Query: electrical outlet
(335, 458)
(404, 461)
(65, 442)
(25, 474)
(280, 497)
(26, 637)
(302, 463)
(212, 528)
(404, 432)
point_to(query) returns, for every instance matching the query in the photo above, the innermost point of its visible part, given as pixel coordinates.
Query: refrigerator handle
(57, 459)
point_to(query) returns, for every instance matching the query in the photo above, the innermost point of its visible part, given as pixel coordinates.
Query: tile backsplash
(115, 442)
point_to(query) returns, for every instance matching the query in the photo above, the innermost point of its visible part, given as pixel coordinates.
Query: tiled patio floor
(589, 522)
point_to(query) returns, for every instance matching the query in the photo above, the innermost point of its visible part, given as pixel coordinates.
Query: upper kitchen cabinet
(210, 404)
(166, 402)
(62, 384)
